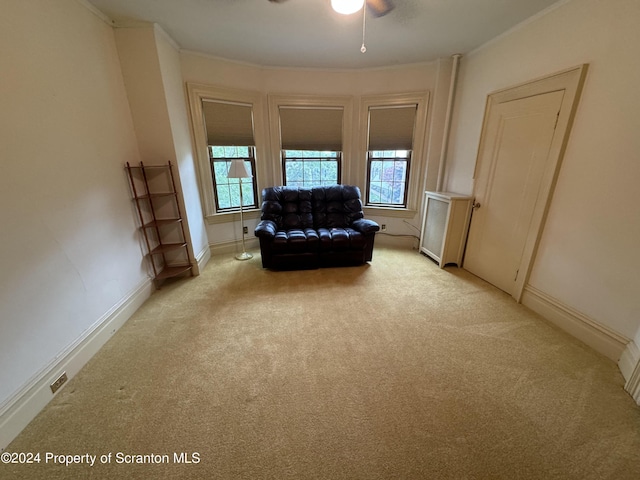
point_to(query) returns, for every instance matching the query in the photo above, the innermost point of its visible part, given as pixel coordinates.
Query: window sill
(389, 212)
(228, 217)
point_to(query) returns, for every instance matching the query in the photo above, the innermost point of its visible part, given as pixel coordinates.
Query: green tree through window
(309, 168)
(388, 172)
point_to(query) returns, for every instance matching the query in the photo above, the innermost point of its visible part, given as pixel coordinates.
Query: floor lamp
(238, 170)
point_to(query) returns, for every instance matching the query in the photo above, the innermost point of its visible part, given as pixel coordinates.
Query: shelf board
(173, 271)
(147, 196)
(160, 222)
(148, 168)
(167, 247)
(138, 167)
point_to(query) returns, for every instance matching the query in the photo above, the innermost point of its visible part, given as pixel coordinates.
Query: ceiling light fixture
(347, 7)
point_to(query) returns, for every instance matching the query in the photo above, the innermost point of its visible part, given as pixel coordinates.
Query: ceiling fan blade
(379, 8)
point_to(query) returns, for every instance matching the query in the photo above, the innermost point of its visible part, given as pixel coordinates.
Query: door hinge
(557, 118)
(514, 278)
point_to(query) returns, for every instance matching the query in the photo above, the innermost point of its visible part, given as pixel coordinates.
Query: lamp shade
(238, 169)
(347, 7)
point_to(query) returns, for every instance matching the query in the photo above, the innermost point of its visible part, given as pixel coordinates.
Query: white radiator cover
(444, 227)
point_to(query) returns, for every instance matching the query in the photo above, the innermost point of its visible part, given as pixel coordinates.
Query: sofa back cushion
(336, 206)
(289, 207)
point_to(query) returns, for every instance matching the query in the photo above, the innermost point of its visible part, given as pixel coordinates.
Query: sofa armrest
(365, 226)
(266, 229)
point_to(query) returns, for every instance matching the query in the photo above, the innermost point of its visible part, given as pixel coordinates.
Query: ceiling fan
(377, 8)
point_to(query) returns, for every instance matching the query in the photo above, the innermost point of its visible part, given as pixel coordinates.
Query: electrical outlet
(245, 230)
(61, 380)
(383, 227)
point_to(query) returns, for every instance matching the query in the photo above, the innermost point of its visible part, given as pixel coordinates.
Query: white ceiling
(307, 33)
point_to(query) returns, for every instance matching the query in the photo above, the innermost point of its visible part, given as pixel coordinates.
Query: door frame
(571, 81)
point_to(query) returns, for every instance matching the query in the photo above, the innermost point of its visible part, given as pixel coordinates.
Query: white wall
(206, 70)
(290, 81)
(588, 258)
(175, 94)
(69, 252)
(151, 70)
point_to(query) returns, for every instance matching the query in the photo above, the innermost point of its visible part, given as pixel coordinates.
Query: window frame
(337, 159)
(406, 159)
(196, 94)
(418, 152)
(312, 101)
(252, 161)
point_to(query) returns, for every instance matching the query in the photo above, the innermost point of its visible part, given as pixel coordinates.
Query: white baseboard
(233, 246)
(398, 241)
(203, 258)
(16, 414)
(629, 365)
(602, 339)
(629, 360)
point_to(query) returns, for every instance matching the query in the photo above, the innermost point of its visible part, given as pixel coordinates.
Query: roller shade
(391, 128)
(311, 128)
(228, 123)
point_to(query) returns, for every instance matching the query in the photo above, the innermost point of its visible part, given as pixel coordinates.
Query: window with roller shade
(390, 145)
(229, 129)
(311, 143)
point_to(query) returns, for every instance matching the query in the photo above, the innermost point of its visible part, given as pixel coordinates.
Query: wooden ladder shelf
(160, 220)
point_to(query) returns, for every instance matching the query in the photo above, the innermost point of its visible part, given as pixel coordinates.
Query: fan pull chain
(364, 26)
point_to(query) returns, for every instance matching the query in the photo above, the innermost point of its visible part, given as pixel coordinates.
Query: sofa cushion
(340, 239)
(295, 241)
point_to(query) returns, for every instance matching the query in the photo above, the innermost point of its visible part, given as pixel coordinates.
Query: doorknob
(476, 205)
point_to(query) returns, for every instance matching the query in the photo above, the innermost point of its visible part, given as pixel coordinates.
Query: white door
(513, 160)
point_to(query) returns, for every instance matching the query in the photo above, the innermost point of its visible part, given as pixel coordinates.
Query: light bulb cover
(347, 7)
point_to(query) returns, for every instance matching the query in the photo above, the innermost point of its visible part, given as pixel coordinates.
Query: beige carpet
(393, 370)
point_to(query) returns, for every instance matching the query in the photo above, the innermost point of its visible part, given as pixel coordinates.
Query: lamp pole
(244, 255)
